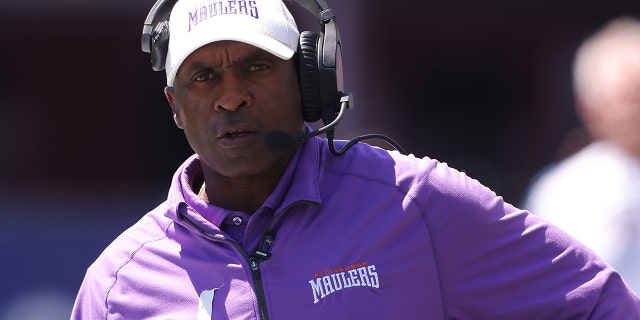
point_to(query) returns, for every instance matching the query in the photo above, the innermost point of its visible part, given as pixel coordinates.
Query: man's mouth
(235, 134)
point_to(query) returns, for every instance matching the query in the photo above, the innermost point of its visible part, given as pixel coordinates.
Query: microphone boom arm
(280, 141)
(345, 100)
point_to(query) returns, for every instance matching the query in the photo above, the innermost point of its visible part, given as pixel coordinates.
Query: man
(303, 233)
(595, 193)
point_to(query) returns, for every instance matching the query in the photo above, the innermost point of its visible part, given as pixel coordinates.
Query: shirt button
(237, 221)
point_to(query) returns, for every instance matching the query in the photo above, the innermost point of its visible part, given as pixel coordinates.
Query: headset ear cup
(309, 77)
(159, 46)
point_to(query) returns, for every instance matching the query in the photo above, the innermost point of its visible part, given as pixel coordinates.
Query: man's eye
(258, 67)
(204, 76)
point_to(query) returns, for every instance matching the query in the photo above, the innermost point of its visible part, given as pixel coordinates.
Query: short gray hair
(616, 42)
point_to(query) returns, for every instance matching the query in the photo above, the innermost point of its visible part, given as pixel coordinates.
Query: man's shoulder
(405, 172)
(151, 227)
(363, 159)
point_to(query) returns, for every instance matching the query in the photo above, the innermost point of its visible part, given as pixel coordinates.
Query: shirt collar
(299, 182)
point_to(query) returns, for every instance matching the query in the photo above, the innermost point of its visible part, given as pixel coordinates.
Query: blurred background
(88, 145)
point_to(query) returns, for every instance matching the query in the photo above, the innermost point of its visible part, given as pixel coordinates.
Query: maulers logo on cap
(229, 7)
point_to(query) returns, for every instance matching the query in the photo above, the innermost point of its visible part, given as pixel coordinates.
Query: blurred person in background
(594, 194)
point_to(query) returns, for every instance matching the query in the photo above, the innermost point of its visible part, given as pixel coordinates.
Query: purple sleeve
(499, 262)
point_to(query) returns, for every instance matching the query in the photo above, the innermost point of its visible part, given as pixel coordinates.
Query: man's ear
(169, 92)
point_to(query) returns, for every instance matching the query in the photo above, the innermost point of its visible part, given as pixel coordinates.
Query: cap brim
(259, 40)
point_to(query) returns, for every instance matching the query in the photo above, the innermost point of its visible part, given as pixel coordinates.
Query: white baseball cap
(266, 24)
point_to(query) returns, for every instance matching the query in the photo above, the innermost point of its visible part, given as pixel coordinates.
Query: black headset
(319, 57)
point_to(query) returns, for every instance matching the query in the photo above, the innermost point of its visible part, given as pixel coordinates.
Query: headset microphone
(280, 141)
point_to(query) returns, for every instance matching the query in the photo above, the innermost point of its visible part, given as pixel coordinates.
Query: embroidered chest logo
(326, 282)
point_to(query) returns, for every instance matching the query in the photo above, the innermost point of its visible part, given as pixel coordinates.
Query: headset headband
(161, 11)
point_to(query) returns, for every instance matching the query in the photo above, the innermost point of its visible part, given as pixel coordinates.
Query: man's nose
(233, 94)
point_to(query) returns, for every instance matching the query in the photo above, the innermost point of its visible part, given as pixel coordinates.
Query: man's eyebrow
(257, 54)
(254, 54)
(198, 66)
